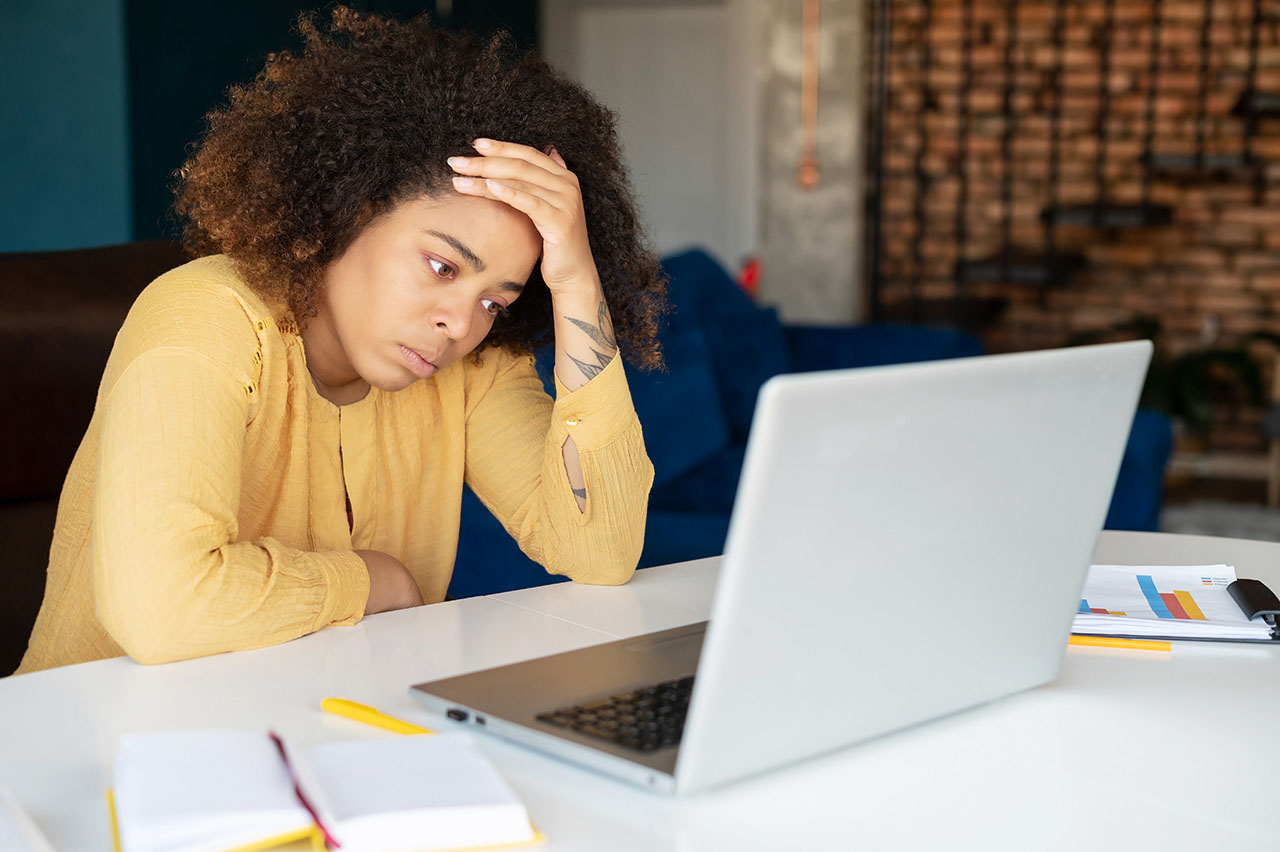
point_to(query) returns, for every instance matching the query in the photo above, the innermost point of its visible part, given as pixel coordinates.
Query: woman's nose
(452, 319)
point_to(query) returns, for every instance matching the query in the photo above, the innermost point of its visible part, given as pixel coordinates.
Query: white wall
(683, 77)
(708, 95)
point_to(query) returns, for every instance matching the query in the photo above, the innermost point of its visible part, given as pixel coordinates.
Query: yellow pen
(370, 716)
(1117, 642)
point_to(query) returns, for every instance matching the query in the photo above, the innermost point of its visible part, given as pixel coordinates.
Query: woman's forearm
(585, 344)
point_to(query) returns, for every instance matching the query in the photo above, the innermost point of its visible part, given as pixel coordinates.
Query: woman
(386, 224)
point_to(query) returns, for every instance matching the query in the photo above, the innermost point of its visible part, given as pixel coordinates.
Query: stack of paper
(1164, 601)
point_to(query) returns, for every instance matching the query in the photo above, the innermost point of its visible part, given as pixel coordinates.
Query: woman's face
(418, 289)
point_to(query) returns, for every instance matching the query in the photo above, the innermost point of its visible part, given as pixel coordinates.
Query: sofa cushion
(707, 489)
(837, 347)
(747, 352)
(747, 344)
(678, 537)
(1139, 491)
(679, 409)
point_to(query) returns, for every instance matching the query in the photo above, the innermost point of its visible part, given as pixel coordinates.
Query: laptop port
(456, 715)
(479, 720)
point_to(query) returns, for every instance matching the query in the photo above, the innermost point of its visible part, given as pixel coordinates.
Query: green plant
(1191, 385)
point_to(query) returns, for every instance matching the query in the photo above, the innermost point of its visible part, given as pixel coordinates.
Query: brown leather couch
(59, 314)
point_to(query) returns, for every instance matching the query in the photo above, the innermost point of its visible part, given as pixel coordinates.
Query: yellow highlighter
(370, 716)
(1116, 642)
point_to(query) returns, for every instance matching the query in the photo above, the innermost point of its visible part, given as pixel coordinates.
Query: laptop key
(644, 719)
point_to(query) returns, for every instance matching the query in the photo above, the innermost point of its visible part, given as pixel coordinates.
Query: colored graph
(1175, 604)
(1098, 610)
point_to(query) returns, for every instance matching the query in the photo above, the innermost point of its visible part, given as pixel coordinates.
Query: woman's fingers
(551, 202)
(518, 173)
(504, 167)
(551, 221)
(515, 151)
(542, 187)
(480, 185)
(508, 161)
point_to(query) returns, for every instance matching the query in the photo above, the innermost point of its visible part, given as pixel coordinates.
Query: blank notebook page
(386, 788)
(202, 789)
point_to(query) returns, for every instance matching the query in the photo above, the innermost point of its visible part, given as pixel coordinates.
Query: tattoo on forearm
(602, 335)
(592, 370)
(580, 493)
(602, 331)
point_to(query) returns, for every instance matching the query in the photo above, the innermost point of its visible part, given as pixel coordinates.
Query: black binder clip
(1255, 599)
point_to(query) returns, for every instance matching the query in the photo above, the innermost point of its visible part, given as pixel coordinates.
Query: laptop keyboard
(645, 720)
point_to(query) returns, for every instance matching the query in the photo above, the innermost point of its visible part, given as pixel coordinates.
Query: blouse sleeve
(171, 579)
(515, 465)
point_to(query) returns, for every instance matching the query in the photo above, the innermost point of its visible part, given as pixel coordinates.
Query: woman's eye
(440, 268)
(492, 308)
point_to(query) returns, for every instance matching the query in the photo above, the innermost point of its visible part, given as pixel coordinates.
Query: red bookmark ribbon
(329, 839)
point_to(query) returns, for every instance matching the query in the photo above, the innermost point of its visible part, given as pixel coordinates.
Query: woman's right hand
(391, 586)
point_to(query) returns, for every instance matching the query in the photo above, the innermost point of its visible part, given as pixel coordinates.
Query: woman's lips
(419, 366)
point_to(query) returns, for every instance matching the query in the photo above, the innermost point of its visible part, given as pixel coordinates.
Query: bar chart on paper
(1182, 600)
(1174, 603)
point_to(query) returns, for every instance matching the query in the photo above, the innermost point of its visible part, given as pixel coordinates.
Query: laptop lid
(906, 542)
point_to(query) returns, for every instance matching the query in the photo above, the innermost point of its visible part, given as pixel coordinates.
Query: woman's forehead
(489, 228)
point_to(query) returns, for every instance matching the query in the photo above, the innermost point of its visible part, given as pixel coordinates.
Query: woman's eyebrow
(467, 254)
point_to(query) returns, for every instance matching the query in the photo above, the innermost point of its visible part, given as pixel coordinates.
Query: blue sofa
(720, 348)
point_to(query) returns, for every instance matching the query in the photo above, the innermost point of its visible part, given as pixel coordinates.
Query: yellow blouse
(205, 508)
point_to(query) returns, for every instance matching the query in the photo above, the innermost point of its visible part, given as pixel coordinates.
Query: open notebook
(223, 790)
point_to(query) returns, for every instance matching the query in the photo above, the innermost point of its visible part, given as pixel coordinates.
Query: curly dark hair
(319, 144)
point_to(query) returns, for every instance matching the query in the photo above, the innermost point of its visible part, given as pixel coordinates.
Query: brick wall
(1210, 273)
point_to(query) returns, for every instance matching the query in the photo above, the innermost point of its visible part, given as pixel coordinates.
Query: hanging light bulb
(808, 175)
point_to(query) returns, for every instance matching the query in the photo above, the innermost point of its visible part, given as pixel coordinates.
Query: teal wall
(64, 153)
(182, 56)
(99, 100)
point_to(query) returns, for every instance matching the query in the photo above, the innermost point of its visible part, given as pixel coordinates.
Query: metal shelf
(1114, 216)
(1021, 268)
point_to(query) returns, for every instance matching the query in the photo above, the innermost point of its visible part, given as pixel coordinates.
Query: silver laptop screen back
(918, 533)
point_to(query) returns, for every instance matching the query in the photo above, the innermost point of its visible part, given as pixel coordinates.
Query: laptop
(906, 542)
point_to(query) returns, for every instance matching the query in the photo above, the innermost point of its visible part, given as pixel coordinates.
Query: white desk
(1126, 749)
